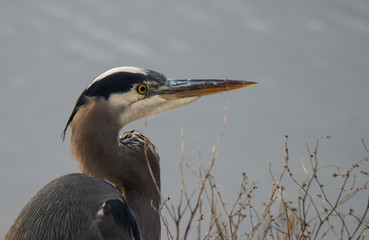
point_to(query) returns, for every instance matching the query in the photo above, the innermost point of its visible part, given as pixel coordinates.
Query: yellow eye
(142, 88)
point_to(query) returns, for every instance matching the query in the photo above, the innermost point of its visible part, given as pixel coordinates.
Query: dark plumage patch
(122, 215)
(120, 82)
(80, 102)
(117, 82)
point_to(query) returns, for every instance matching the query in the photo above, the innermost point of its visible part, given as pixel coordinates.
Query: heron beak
(200, 87)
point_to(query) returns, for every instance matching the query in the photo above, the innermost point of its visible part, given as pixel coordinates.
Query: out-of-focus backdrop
(311, 59)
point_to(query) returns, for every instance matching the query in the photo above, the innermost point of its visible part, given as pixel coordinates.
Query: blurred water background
(311, 59)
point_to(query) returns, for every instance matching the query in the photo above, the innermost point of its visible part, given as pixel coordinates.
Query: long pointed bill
(200, 87)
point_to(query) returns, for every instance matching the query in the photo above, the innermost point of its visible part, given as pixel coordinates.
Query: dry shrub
(327, 203)
(317, 212)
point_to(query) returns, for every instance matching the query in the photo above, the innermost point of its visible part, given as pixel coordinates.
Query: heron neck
(95, 145)
(94, 140)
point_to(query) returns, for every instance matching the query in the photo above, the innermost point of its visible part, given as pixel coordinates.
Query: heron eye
(142, 88)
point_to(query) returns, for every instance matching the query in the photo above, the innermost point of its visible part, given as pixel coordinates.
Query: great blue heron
(77, 206)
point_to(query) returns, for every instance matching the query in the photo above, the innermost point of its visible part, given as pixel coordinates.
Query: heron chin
(118, 190)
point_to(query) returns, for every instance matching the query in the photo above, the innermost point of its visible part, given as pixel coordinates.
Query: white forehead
(122, 69)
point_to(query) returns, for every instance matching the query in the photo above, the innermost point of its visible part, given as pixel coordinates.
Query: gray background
(311, 59)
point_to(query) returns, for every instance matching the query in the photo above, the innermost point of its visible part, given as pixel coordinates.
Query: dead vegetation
(338, 211)
(317, 212)
(327, 202)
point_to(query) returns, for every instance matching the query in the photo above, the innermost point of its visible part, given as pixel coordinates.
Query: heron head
(137, 93)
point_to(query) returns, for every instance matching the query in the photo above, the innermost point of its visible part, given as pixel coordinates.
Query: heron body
(55, 213)
(77, 206)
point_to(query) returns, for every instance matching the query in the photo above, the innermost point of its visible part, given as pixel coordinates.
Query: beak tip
(242, 83)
